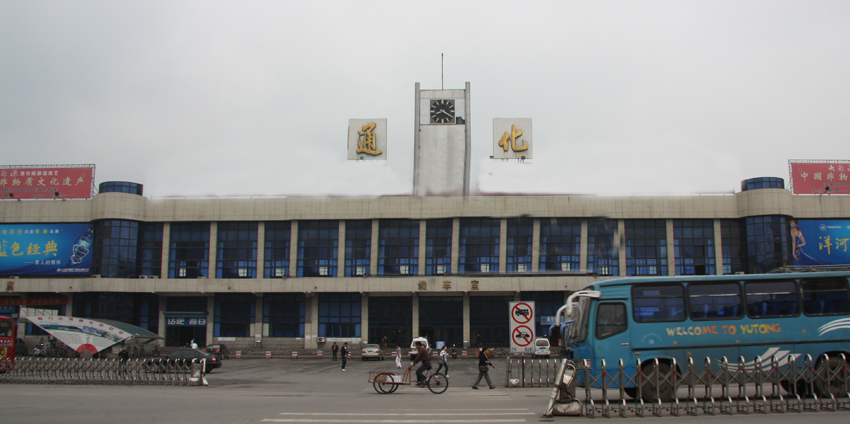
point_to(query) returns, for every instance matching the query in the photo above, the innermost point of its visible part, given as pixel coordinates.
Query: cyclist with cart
(423, 357)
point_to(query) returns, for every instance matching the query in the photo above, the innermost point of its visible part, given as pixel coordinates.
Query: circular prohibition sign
(522, 335)
(522, 313)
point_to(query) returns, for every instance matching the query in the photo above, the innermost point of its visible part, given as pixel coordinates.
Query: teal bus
(755, 316)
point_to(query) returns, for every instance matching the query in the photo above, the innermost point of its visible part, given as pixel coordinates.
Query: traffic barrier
(463, 354)
(238, 354)
(268, 354)
(527, 372)
(137, 371)
(319, 354)
(666, 387)
(294, 355)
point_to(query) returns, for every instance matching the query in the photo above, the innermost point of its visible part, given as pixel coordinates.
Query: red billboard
(820, 177)
(46, 182)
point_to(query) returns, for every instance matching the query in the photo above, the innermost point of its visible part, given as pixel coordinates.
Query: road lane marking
(386, 414)
(423, 420)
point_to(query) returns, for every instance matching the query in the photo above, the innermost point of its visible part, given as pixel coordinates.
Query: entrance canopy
(84, 334)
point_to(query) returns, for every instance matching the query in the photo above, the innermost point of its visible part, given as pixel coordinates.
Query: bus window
(771, 299)
(7, 328)
(825, 297)
(715, 301)
(580, 330)
(658, 303)
(610, 319)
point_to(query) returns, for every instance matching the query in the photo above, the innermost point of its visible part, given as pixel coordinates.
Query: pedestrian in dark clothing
(123, 354)
(334, 350)
(344, 355)
(425, 358)
(483, 370)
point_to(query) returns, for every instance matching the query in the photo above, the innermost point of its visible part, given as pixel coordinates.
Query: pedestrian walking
(483, 370)
(397, 356)
(334, 350)
(444, 360)
(344, 355)
(123, 354)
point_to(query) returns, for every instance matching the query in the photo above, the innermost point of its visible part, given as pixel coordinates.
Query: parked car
(413, 351)
(218, 349)
(372, 351)
(541, 348)
(21, 347)
(185, 356)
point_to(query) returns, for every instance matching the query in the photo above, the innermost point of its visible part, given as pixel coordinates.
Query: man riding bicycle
(423, 357)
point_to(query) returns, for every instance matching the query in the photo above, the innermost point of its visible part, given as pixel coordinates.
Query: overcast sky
(253, 98)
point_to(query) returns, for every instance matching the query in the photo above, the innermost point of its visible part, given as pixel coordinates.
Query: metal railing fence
(660, 387)
(34, 370)
(527, 372)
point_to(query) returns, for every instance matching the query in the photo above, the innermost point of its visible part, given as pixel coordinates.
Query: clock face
(442, 111)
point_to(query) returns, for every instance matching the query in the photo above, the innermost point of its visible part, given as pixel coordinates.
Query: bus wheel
(651, 375)
(835, 368)
(631, 392)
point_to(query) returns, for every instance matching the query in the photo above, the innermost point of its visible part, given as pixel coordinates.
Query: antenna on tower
(442, 87)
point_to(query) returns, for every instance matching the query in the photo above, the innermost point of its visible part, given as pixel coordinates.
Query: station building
(299, 273)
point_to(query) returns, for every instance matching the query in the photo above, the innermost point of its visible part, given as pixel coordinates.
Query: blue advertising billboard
(820, 241)
(46, 249)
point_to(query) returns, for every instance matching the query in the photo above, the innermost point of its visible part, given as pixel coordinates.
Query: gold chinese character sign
(512, 138)
(367, 139)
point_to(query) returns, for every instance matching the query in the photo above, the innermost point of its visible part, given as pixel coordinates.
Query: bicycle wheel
(381, 385)
(438, 383)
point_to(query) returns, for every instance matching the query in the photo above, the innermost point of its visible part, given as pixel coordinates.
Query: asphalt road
(312, 391)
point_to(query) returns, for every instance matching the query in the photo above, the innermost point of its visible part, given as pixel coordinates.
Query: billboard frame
(91, 188)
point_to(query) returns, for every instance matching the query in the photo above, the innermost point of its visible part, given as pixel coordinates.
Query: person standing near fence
(483, 370)
(444, 360)
(344, 352)
(334, 350)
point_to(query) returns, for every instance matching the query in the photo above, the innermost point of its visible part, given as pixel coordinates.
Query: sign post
(522, 327)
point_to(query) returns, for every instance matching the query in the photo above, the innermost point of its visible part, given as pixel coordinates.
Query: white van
(541, 348)
(413, 351)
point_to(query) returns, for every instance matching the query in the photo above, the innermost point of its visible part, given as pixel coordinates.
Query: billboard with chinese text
(367, 139)
(81, 334)
(512, 138)
(820, 177)
(46, 182)
(46, 249)
(820, 241)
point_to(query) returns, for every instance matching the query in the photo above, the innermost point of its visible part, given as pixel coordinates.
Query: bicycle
(388, 382)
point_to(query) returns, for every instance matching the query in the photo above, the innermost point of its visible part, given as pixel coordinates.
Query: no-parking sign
(522, 327)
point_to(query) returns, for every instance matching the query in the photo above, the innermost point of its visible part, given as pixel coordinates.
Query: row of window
(732, 300)
(129, 248)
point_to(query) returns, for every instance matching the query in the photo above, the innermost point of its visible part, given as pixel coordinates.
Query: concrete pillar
(535, 246)
(583, 248)
(503, 246)
(415, 307)
(293, 250)
(620, 242)
(166, 246)
(210, 317)
(163, 305)
(311, 321)
(374, 244)
(257, 327)
(213, 251)
(340, 255)
(671, 251)
(718, 248)
(466, 320)
(261, 249)
(455, 244)
(364, 319)
(423, 244)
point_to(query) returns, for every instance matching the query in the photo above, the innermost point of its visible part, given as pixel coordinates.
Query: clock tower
(442, 142)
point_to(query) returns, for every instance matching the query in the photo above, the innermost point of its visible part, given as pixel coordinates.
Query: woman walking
(483, 369)
(444, 356)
